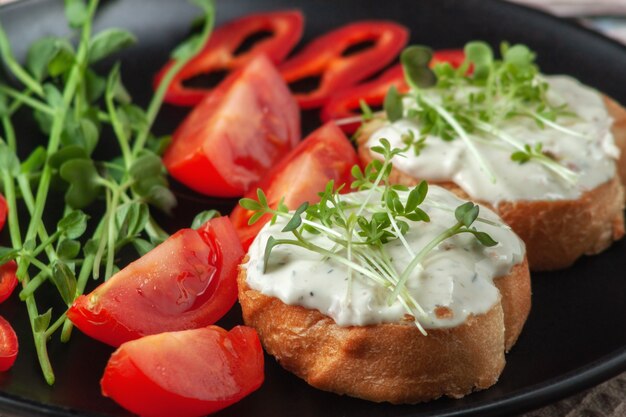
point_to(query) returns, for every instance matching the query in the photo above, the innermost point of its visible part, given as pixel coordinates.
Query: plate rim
(513, 403)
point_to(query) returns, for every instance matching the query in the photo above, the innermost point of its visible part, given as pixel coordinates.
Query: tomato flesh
(326, 154)
(8, 345)
(283, 30)
(185, 374)
(188, 281)
(8, 279)
(236, 134)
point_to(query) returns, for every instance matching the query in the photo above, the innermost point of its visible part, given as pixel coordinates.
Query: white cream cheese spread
(457, 275)
(591, 154)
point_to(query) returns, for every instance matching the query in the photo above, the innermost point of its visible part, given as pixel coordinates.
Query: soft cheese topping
(592, 157)
(456, 278)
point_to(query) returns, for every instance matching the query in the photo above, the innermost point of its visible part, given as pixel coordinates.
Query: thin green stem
(26, 99)
(159, 95)
(20, 73)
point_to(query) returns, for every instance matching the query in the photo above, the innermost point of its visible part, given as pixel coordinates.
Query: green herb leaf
(42, 53)
(68, 249)
(42, 321)
(366, 110)
(35, 160)
(142, 246)
(415, 61)
(250, 204)
(393, 104)
(84, 181)
(7, 254)
(484, 238)
(296, 219)
(75, 12)
(65, 154)
(271, 243)
(9, 163)
(108, 42)
(481, 55)
(65, 281)
(73, 225)
(203, 217)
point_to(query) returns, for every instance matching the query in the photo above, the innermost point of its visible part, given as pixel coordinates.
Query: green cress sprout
(359, 230)
(500, 89)
(76, 108)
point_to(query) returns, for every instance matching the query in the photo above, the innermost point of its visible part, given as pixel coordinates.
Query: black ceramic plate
(575, 335)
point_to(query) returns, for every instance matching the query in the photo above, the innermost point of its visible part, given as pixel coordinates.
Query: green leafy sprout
(74, 106)
(501, 89)
(360, 230)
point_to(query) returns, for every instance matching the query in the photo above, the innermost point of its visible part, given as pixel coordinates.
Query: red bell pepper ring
(220, 52)
(326, 57)
(344, 107)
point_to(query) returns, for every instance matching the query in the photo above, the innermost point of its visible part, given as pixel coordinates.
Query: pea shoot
(359, 226)
(77, 108)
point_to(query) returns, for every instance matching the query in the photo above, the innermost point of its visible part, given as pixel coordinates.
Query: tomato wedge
(8, 279)
(8, 345)
(328, 57)
(236, 134)
(346, 103)
(326, 154)
(278, 33)
(185, 374)
(188, 281)
(3, 211)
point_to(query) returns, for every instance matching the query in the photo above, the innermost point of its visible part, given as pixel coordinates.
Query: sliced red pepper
(220, 53)
(328, 57)
(346, 103)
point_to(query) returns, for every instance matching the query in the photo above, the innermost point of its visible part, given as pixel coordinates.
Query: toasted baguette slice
(558, 232)
(618, 113)
(391, 362)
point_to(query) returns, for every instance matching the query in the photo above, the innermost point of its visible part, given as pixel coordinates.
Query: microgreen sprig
(471, 105)
(359, 229)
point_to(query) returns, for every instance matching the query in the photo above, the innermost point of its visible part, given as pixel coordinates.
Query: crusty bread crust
(557, 232)
(391, 362)
(618, 113)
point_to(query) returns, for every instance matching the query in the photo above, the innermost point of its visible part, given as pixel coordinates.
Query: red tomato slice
(8, 345)
(326, 57)
(346, 103)
(8, 279)
(236, 134)
(3, 211)
(284, 30)
(185, 374)
(188, 281)
(326, 154)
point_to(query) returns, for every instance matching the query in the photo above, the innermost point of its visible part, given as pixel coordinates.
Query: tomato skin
(326, 154)
(346, 103)
(185, 374)
(187, 282)
(236, 133)
(8, 280)
(324, 57)
(8, 345)
(219, 53)
(3, 211)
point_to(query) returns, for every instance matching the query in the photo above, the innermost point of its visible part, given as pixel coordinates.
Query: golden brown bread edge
(556, 233)
(391, 362)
